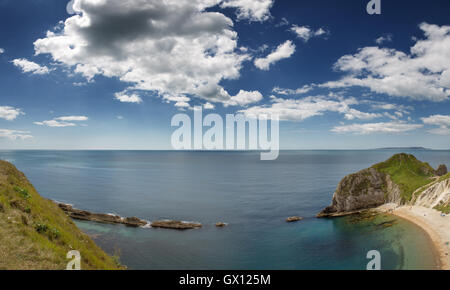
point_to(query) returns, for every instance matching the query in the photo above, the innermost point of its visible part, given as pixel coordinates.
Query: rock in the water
(100, 218)
(176, 225)
(293, 219)
(134, 222)
(442, 170)
(221, 225)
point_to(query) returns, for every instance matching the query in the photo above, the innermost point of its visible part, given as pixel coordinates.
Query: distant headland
(403, 148)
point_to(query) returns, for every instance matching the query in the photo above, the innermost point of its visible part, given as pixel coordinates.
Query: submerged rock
(293, 219)
(176, 225)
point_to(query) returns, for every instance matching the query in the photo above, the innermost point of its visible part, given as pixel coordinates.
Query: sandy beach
(432, 222)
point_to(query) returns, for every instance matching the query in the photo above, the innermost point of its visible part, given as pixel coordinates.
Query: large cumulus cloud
(171, 47)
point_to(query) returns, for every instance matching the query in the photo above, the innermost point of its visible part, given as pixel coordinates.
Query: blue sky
(111, 74)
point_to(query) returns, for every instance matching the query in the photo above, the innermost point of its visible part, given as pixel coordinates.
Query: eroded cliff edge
(402, 179)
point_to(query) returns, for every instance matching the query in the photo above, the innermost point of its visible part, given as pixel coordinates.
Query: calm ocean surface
(253, 196)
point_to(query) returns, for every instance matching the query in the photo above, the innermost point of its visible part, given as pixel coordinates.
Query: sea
(253, 197)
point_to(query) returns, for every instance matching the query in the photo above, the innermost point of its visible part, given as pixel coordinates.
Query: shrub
(41, 228)
(53, 234)
(22, 191)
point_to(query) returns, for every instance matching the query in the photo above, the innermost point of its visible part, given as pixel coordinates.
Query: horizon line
(237, 151)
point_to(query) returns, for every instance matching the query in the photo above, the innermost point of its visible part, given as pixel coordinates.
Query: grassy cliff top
(36, 234)
(408, 172)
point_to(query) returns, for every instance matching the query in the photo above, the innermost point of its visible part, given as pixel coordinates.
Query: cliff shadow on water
(397, 240)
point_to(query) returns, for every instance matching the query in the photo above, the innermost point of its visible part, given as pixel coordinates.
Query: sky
(111, 74)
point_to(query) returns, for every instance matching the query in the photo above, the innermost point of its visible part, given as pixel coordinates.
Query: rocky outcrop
(442, 170)
(101, 218)
(368, 188)
(176, 225)
(293, 219)
(128, 221)
(221, 225)
(400, 180)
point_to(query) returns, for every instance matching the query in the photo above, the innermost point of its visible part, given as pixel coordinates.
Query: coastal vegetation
(407, 172)
(36, 234)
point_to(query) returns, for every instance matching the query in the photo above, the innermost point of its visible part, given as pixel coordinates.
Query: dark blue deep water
(254, 197)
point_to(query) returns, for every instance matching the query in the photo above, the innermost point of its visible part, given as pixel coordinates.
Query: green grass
(407, 172)
(442, 178)
(36, 234)
(443, 208)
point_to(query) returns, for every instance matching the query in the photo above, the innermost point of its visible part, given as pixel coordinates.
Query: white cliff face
(394, 191)
(434, 195)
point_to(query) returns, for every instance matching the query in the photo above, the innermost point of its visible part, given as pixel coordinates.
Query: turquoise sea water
(253, 196)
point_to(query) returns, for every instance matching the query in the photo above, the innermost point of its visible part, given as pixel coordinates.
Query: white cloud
(209, 106)
(128, 98)
(55, 123)
(283, 22)
(391, 107)
(303, 32)
(440, 131)
(382, 39)
(301, 109)
(30, 67)
(438, 120)
(9, 113)
(176, 98)
(2, 50)
(288, 92)
(73, 118)
(182, 105)
(69, 7)
(283, 51)
(353, 114)
(163, 46)
(382, 127)
(442, 121)
(61, 122)
(181, 101)
(320, 32)
(306, 33)
(244, 98)
(253, 10)
(14, 134)
(424, 74)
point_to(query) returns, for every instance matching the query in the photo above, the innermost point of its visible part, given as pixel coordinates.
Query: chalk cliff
(402, 180)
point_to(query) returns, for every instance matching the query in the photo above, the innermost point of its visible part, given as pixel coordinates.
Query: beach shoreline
(436, 226)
